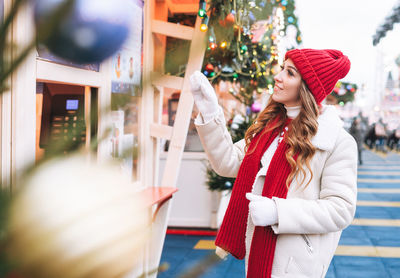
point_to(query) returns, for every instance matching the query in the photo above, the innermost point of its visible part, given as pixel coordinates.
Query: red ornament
(230, 19)
(209, 67)
(336, 90)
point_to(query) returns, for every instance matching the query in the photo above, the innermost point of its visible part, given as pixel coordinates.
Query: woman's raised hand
(204, 96)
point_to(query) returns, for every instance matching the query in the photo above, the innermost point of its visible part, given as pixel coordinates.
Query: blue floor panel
(360, 267)
(371, 236)
(182, 263)
(378, 185)
(382, 197)
(378, 212)
(392, 175)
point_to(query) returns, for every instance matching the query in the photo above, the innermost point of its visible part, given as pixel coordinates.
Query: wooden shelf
(157, 196)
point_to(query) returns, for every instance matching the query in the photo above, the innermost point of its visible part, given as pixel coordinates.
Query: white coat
(310, 220)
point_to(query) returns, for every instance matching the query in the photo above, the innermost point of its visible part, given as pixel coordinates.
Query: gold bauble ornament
(72, 218)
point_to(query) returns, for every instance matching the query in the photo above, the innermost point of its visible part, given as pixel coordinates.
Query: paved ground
(369, 248)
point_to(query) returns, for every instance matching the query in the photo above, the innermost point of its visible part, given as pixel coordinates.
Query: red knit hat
(320, 69)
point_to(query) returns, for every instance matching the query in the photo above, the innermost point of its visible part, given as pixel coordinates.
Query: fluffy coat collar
(329, 127)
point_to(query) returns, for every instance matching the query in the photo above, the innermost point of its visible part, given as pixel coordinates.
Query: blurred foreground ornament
(75, 219)
(91, 31)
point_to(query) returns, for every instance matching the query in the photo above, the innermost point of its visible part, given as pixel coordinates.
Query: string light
(203, 26)
(202, 9)
(202, 13)
(213, 46)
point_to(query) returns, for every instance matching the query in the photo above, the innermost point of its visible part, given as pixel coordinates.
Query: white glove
(221, 252)
(262, 210)
(204, 96)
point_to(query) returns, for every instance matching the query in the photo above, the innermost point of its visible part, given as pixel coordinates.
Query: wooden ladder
(177, 133)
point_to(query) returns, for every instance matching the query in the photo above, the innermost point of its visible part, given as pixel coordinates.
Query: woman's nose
(277, 77)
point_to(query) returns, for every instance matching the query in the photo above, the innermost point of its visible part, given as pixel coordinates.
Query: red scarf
(231, 235)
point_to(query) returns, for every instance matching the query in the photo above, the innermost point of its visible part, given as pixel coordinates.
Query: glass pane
(125, 132)
(170, 105)
(126, 91)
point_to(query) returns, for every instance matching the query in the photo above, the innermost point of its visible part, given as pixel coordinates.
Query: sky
(348, 25)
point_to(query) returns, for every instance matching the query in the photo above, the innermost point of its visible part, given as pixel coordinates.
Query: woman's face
(287, 85)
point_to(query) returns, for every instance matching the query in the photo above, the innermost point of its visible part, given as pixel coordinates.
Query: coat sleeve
(225, 157)
(335, 208)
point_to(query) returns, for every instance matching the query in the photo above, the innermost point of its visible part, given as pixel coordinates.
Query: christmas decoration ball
(248, 110)
(256, 107)
(230, 19)
(75, 219)
(209, 67)
(89, 32)
(237, 121)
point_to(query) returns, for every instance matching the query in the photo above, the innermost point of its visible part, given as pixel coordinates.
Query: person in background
(355, 131)
(370, 138)
(397, 135)
(296, 170)
(381, 136)
(394, 140)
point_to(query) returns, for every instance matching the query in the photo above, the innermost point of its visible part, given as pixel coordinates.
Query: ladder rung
(161, 131)
(168, 81)
(172, 29)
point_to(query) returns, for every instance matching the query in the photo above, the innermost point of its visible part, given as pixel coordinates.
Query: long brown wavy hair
(299, 134)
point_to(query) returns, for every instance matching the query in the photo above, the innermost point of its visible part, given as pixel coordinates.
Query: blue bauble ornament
(90, 32)
(248, 110)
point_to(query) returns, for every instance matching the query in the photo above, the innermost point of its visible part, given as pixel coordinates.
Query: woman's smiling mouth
(277, 87)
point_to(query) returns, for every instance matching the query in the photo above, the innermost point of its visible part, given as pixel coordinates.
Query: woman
(296, 170)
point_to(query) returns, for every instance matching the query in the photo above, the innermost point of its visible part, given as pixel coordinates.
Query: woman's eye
(282, 67)
(290, 73)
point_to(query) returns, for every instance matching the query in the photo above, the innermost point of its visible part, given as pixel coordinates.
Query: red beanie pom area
(320, 69)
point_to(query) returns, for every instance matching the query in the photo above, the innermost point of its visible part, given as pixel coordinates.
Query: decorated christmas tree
(246, 39)
(344, 92)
